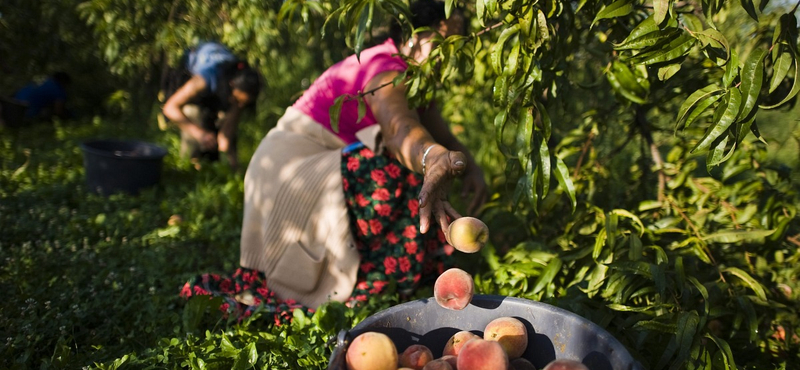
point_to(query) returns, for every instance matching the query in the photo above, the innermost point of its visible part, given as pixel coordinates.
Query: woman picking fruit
(215, 86)
(339, 213)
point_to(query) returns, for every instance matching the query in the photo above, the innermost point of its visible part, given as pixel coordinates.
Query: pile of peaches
(500, 347)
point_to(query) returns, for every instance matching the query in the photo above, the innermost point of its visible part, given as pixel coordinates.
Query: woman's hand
(441, 167)
(205, 138)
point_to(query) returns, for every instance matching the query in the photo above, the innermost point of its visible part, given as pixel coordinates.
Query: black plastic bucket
(121, 165)
(553, 332)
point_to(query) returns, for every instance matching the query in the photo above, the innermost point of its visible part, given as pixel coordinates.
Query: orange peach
(438, 364)
(453, 289)
(371, 351)
(454, 344)
(564, 364)
(480, 354)
(510, 333)
(467, 234)
(416, 356)
(521, 364)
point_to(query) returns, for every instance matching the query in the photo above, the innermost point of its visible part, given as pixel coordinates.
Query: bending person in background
(342, 214)
(47, 99)
(214, 88)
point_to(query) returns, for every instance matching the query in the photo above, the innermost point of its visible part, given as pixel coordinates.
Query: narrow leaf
(752, 77)
(660, 10)
(693, 99)
(735, 236)
(749, 281)
(616, 9)
(729, 115)
(564, 181)
(548, 274)
(335, 111)
(793, 92)
(780, 69)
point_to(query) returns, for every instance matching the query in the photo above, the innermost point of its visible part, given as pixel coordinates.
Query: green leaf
(648, 40)
(693, 100)
(599, 242)
(635, 248)
(562, 175)
(716, 154)
(547, 124)
(652, 325)
(731, 70)
(793, 92)
(480, 11)
(748, 280)
(631, 216)
(736, 236)
(734, 101)
(660, 10)
(703, 291)
(335, 111)
(750, 8)
(364, 27)
(780, 69)
(701, 108)
(625, 308)
(362, 108)
(448, 7)
(665, 72)
(544, 166)
(727, 355)
(624, 81)
(618, 8)
(713, 40)
(647, 26)
(676, 48)
(752, 77)
(548, 274)
(497, 55)
(687, 327)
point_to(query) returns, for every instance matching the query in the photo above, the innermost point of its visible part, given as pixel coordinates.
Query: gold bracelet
(425, 154)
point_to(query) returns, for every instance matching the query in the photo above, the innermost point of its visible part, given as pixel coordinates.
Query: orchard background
(642, 155)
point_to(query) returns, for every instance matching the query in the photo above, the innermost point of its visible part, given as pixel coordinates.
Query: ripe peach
(416, 356)
(438, 364)
(452, 360)
(453, 289)
(521, 364)
(564, 364)
(480, 354)
(510, 333)
(371, 351)
(467, 234)
(454, 344)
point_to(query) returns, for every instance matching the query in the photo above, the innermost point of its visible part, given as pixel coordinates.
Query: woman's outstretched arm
(406, 138)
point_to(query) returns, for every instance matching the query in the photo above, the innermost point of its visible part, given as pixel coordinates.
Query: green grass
(88, 278)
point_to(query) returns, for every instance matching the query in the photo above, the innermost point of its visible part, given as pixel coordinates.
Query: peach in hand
(510, 333)
(416, 356)
(454, 289)
(467, 234)
(371, 351)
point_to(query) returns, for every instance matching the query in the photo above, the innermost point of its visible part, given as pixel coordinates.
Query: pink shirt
(349, 77)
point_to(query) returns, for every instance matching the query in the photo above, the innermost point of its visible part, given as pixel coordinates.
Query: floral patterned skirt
(383, 208)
